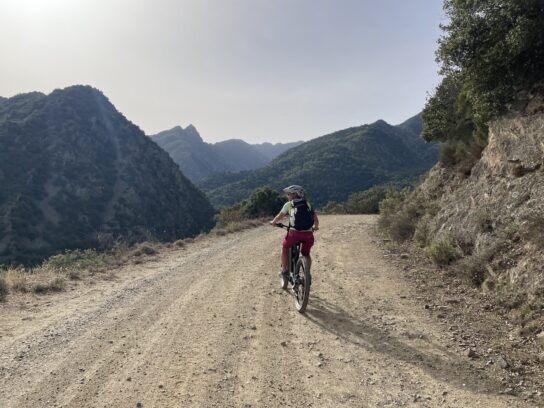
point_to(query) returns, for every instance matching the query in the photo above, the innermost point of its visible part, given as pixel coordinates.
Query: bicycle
(298, 274)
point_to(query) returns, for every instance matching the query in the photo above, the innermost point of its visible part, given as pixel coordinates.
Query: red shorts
(307, 238)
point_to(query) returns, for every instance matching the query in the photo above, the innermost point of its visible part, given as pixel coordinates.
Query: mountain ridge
(333, 165)
(198, 159)
(76, 173)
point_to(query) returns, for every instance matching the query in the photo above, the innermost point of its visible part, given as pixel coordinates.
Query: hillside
(198, 159)
(332, 166)
(76, 173)
(492, 218)
(271, 151)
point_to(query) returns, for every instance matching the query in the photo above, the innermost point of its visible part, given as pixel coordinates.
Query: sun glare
(36, 9)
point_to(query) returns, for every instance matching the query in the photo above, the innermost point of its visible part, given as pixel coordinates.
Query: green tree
(490, 50)
(263, 202)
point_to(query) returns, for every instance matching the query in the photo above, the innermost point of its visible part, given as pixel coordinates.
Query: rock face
(496, 214)
(75, 173)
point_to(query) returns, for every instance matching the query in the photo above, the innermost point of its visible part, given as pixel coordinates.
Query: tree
(490, 50)
(263, 202)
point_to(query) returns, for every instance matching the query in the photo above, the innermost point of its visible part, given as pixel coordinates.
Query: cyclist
(302, 220)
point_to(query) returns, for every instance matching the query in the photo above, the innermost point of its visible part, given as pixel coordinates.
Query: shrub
(263, 202)
(421, 232)
(442, 252)
(4, 290)
(56, 285)
(78, 259)
(484, 219)
(400, 213)
(390, 206)
(15, 279)
(144, 249)
(332, 207)
(229, 215)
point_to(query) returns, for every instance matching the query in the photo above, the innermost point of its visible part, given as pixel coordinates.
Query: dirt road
(208, 326)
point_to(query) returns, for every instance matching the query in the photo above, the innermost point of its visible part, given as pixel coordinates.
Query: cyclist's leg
(284, 258)
(307, 244)
(287, 243)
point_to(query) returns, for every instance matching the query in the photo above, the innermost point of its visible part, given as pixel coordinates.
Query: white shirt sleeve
(286, 207)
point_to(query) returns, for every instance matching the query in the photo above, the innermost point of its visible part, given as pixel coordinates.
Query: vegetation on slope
(484, 223)
(76, 174)
(198, 159)
(333, 166)
(489, 52)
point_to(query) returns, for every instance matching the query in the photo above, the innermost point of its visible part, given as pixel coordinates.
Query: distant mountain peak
(192, 134)
(380, 122)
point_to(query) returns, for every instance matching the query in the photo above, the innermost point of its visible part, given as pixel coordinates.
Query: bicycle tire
(302, 294)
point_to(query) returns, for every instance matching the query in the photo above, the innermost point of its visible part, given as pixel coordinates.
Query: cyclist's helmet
(295, 189)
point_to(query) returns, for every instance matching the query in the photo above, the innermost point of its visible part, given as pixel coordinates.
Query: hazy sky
(258, 70)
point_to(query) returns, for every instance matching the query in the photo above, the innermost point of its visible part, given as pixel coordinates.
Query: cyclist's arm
(316, 222)
(277, 218)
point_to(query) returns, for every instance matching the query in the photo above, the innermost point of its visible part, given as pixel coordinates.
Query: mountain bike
(299, 275)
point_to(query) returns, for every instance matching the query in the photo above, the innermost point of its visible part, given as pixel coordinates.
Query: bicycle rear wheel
(302, 290)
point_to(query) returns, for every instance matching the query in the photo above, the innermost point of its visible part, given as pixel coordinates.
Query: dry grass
(4, 290)
(76, 267)
(15, 279)
(237, 226)
(144, 249)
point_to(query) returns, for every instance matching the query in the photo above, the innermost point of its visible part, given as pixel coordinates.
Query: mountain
(333, 166)
(75, 173)
(198, 159)
(239, 155)
(194, 157)
(271, 151)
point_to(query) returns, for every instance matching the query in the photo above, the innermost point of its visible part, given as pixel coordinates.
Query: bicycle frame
(292, 255)
(301, 283)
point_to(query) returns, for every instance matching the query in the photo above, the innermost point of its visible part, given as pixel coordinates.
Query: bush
(422, 233)
(77, 259)
(332, 207)
(461, 155)
(15, 279)
(361, 202)
(144, 249)
(442, 252)
(56, 285)
(400, 213)
(263, 202)
(229, 215)
(4, 290)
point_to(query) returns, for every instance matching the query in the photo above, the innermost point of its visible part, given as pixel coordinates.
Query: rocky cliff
(495, 215)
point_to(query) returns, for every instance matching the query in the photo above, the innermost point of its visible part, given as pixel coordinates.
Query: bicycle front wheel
(302, 290)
